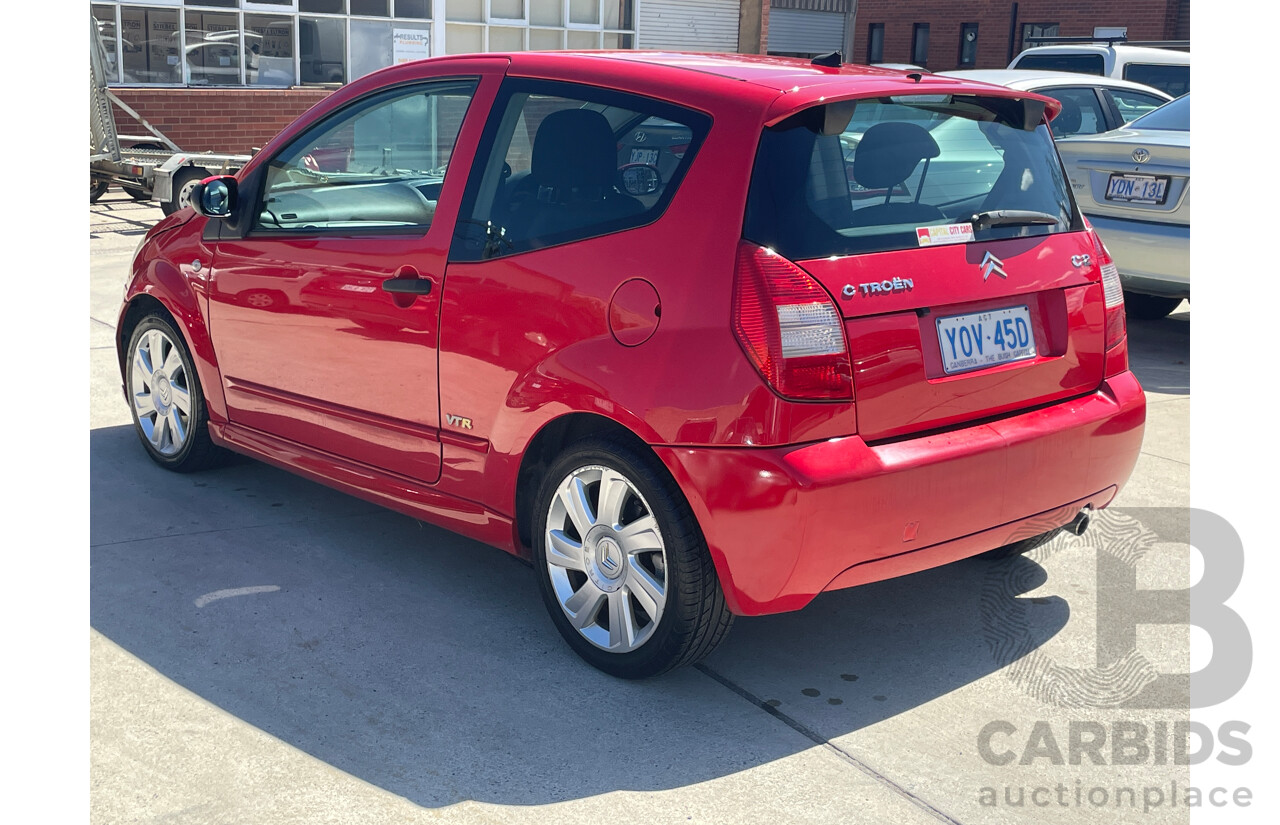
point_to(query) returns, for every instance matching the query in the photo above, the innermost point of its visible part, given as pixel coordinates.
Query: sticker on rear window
(939, 235)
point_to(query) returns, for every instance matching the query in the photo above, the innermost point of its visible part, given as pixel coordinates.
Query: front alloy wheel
(167, 403)
(623, 567)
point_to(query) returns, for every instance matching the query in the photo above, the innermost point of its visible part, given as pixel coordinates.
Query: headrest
(574, 148)
(1068, 120)
(889, 152)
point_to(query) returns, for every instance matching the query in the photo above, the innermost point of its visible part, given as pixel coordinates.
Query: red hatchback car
(701, 336)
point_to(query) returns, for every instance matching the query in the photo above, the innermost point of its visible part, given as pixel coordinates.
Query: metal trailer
(152, 167)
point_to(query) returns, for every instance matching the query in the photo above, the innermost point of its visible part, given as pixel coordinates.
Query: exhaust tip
(1081, 522)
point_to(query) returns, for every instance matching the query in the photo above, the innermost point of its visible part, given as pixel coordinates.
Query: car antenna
(916, 76)
(831, 60)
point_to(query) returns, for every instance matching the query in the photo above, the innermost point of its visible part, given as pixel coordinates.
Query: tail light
(789, 328)
(1112, 293)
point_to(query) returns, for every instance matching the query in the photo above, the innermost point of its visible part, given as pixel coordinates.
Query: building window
(875, 43)
(268, 40)
(1037, 30)
(211, 53)
(968, 44)
(322, 46)
(920, 44)
(151, 45)
(325, 42)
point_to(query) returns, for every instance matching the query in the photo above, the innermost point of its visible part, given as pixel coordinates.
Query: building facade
(941, 35)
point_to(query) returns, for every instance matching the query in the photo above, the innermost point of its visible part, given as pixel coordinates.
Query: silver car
(1134, 185)
(1090, 104)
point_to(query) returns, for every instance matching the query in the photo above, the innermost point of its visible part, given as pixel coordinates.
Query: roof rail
(1109, 41)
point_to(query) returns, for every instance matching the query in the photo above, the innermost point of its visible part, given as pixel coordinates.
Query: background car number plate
(1137, 188)
(985, 339)
(649, 156)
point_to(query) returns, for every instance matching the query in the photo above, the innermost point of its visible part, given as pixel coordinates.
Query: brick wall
(217, 120)
(1146, 19)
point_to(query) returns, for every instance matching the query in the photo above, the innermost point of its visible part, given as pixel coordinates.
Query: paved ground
(385, 671)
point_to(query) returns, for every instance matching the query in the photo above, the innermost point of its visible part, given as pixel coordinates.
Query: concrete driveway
(267, 650)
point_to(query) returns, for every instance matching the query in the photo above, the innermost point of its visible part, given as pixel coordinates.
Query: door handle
(407, 286)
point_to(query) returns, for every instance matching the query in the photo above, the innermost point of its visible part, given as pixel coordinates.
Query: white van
(1165, 69)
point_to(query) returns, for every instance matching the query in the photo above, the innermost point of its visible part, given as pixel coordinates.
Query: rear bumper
(1153, 258)
(785, 524)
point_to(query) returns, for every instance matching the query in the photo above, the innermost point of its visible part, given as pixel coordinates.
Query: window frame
(872, 30)
(255, 231)
(961, 63)
(697, 120)
(916, 30)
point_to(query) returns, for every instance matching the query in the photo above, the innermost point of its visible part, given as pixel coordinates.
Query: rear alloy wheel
(1149, 307)
(168, 405)
(622, 566)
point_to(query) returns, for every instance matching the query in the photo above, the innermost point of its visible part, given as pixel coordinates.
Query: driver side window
(376, 165)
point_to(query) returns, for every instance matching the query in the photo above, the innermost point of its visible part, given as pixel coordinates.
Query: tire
(173, 439)
(1018, 548)
(648, 557)
(180, 194)
(136, 193)
(97, 188)
(1149, 307)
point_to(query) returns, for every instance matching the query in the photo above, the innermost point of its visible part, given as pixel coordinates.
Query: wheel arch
(552, 439)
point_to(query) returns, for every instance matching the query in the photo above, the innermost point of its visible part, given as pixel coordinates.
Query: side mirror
(214, 197)
(640, 178)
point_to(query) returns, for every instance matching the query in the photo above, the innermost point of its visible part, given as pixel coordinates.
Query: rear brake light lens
(789, 328)
(1112, 293)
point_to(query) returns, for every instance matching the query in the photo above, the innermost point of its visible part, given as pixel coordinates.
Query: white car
(1166, 69)
(1090, 104)
(1134, 186)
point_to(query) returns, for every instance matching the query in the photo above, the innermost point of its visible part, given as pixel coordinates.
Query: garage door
(688, 25)
(792, 31)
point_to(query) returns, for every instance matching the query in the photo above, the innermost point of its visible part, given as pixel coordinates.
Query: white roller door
(793, 31)
(688, 25)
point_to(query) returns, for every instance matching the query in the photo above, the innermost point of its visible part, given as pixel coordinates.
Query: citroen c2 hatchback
(699, 336)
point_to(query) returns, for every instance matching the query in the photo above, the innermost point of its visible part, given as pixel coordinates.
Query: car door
(325, 313)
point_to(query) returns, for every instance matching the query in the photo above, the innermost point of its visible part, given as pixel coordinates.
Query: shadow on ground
(424, 663)
(1160, 353)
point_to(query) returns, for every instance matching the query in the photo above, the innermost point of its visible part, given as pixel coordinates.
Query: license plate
(985, 339)
(647, 156)
(1138, 188)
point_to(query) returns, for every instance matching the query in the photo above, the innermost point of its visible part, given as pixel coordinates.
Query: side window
(1170, 79)
(1081, 112)
(1082, 63)
(1133, 104)
(378, 164)
(561, 162)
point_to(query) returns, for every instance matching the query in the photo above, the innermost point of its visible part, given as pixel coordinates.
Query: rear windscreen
(1082, 63)
(822, 186)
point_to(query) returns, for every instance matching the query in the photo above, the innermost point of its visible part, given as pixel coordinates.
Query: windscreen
(822, 186)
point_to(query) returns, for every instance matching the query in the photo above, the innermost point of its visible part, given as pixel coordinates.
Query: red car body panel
(428, 405)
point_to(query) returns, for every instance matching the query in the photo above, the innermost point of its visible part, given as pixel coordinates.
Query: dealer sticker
(939, 235)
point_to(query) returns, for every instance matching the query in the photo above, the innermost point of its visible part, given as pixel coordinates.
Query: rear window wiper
(1012, 217)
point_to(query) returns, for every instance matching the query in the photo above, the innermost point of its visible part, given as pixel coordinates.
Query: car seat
(886, 156)
(571, 178)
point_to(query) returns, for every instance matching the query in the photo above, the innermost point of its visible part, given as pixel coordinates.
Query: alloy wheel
(606, 559)
(161, 392)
